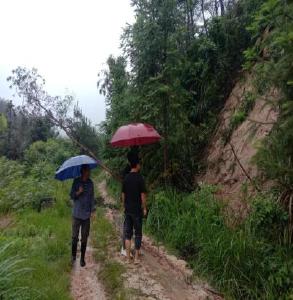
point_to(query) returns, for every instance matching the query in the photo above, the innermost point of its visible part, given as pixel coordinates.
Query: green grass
(42, 240)
(104, 241)
(247, 262)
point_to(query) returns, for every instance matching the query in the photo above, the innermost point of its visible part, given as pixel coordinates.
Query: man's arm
(143, 202)
(123, 199)
(143, 196)
(93, 201)
(76, 190)
(123, 196)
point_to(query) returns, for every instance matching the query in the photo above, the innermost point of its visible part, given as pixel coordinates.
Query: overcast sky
(68, 41)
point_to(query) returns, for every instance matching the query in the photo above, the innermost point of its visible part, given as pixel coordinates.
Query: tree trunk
(222, 7)
(203, 16)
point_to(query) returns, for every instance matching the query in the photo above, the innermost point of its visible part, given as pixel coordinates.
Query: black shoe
(82, 254)
(82, 262)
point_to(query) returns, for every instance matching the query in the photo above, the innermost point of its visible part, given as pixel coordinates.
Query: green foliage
(21, 130)
(3, 123)
(180, 74)
(10, 270)
(239, 115)
(25, 184)
(272, 29)
(84, 133)
(34, 252)
(53, 151)
(17, 190)
(111, 274)
(42, 240)
(268, 219)
(194, 226)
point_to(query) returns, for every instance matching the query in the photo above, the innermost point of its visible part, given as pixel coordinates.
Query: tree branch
(242, 167)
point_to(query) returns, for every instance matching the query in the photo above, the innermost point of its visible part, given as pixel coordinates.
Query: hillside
(229, 156)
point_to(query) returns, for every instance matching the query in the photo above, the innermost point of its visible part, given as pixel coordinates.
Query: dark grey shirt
(84, 204)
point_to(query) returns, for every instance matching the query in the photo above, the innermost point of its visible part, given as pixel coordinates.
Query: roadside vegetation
(35, 246)
(251, 261)
(36, 259)
(35, 213)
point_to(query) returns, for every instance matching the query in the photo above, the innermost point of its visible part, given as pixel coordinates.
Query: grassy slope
(43, 240)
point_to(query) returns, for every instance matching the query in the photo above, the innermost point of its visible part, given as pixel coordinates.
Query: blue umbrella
(72, 166)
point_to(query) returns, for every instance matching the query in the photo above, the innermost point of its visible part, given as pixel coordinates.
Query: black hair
(132, 156)
(133, 161)
(84, 168)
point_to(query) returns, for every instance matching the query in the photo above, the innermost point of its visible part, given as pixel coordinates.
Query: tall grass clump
(11, 268)
(247, 262)
(43, 239)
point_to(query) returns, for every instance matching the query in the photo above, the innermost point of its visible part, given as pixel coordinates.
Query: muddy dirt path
(84, 281)
(160, 276)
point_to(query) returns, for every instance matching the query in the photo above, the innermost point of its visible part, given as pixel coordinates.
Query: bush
(43, 239)
(20, 189)
(194, 226)
(53, 151)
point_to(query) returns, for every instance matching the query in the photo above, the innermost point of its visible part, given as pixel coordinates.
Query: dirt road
(160, 275)
(84, 281)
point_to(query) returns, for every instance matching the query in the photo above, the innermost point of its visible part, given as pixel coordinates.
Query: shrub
(53, 151)
(19, 189)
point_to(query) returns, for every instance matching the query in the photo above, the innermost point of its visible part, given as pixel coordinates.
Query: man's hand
(80, 190)
(145, 212)
(93, 216)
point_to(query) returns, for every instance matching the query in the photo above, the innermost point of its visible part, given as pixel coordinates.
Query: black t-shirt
(133, 187)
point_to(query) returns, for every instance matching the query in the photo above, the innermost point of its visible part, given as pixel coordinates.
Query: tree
(84, 132)
(3, 123)
(22, 129)
(180, 72)
(30, 86)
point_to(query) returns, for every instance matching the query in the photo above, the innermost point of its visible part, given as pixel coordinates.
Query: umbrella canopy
(72, 166)
(134, 135)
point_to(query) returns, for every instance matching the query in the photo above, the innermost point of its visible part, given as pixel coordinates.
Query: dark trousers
(133, 222)
(84, 227)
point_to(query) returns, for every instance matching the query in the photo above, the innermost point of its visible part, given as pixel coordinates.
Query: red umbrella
(134, 135)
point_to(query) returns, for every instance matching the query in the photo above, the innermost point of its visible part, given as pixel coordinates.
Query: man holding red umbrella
(134, 201)
(134, 191)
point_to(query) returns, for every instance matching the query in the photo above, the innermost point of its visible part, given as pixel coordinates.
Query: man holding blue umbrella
(82, 194)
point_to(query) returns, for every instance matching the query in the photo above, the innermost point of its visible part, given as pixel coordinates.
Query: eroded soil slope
(223, 167)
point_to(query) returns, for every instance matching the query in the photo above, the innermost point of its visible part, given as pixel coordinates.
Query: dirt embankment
(228, 161)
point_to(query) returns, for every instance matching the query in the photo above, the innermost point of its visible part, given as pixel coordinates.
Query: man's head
(85, 171)
(134, 163)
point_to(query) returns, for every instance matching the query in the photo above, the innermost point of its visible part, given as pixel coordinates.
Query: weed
(194, 226)
(111, 271)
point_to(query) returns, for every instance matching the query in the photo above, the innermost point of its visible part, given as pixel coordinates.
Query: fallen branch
(242, 167)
